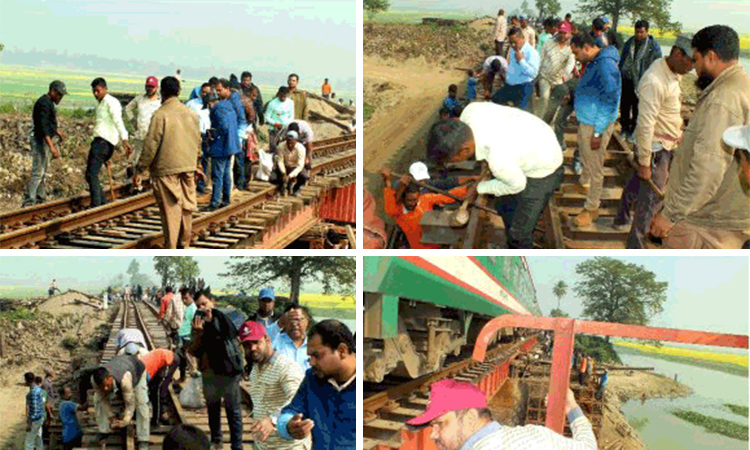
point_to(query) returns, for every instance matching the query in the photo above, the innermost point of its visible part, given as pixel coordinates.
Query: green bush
(598, 347)
(737, 409)
(714, 425)
(69, 343)
(19, 315)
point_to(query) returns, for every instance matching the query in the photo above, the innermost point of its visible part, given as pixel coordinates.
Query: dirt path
(395, 135)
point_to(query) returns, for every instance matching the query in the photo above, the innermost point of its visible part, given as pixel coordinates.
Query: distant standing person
(501, 32)
(142, 108)
(639, 52)
(298, 97)
(246, 81)
(53, 287)
(171, 151)
(109, 130)
(326, 89)
(528, 31)
(44, 118)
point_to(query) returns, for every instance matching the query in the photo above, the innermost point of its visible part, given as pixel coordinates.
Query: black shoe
(210, 208)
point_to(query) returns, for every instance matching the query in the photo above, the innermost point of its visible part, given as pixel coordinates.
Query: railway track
(257, 217)
(143, 316)
(386, 412)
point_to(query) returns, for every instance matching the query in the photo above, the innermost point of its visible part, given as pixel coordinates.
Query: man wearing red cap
(142, 108)
(557, 63)
(274, 379)
(460, 419)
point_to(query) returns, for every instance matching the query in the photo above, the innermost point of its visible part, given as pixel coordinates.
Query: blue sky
(709, 293)
(694, 14)
(313, 38)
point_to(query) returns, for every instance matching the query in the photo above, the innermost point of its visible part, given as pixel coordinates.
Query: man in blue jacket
(326, 402)
(597, 97)
(225, 142)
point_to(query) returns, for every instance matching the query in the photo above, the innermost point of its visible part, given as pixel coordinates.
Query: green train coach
(421, 309)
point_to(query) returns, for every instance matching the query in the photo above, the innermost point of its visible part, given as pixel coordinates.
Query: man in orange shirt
(407, 206)
(161, 365)
(165, 301)
(326, 90)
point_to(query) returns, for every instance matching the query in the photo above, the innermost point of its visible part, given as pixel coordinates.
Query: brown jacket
(300, 104)
(704, 187)
(173, 141)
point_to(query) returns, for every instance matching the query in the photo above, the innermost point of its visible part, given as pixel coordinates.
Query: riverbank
(617, 433)
(723, 362)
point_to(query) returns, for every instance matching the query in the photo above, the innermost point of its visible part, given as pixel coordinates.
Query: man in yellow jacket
(170, 152)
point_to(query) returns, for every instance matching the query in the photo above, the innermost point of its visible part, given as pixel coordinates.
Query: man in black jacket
(214, 344)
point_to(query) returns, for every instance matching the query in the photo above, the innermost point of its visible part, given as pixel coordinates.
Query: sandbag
(191, 395)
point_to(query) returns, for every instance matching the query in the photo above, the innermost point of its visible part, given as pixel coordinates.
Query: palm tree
(560, 290)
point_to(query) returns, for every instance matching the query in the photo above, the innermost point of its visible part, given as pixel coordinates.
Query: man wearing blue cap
(266, 315)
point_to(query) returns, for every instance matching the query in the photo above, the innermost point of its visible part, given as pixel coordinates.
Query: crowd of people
(691, 183)
(176, 143)
(300, 375)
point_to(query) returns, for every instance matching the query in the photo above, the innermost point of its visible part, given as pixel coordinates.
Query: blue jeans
(41, 155)
(216, 388)
(221, 180)
(519, 94)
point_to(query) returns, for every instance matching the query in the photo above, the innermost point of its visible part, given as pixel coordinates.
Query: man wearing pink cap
(142, 108)
(460, 419)
(274, 380)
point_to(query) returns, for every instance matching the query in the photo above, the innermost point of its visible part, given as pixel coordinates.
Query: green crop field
(21, 86)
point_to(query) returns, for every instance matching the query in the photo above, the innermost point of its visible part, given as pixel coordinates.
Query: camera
(200, 313)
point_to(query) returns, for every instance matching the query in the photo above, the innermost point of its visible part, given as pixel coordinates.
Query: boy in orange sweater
(407, 206)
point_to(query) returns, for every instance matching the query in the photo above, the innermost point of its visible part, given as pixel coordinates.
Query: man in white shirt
(522, 153)
(142, 108)
(500, 32)
(290, 174)
(200, 107)
(108, 132)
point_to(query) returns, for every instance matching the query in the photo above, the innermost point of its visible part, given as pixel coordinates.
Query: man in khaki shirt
(298, 97)
(658, 132)
(705, 205)
(170, 151)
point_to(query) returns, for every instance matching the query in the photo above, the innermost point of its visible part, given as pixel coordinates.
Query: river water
(664, 431)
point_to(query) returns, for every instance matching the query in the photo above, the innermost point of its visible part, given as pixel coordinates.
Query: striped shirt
(557, 62)
(272, 386)
(534, 437)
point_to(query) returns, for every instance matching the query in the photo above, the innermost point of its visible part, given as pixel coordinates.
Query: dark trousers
(499, 48)
(221, 181)
(560, 107)
(101, 151)
(238, 170)
(520, 212)
(628, 106)
(216, 388)
(158, 388)
(182, 351)
(518, 94)
(640, 203)
(201, 185)
(73, 443)
(295, 184)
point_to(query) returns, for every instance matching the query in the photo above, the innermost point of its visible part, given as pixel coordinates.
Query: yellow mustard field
(740, 360)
